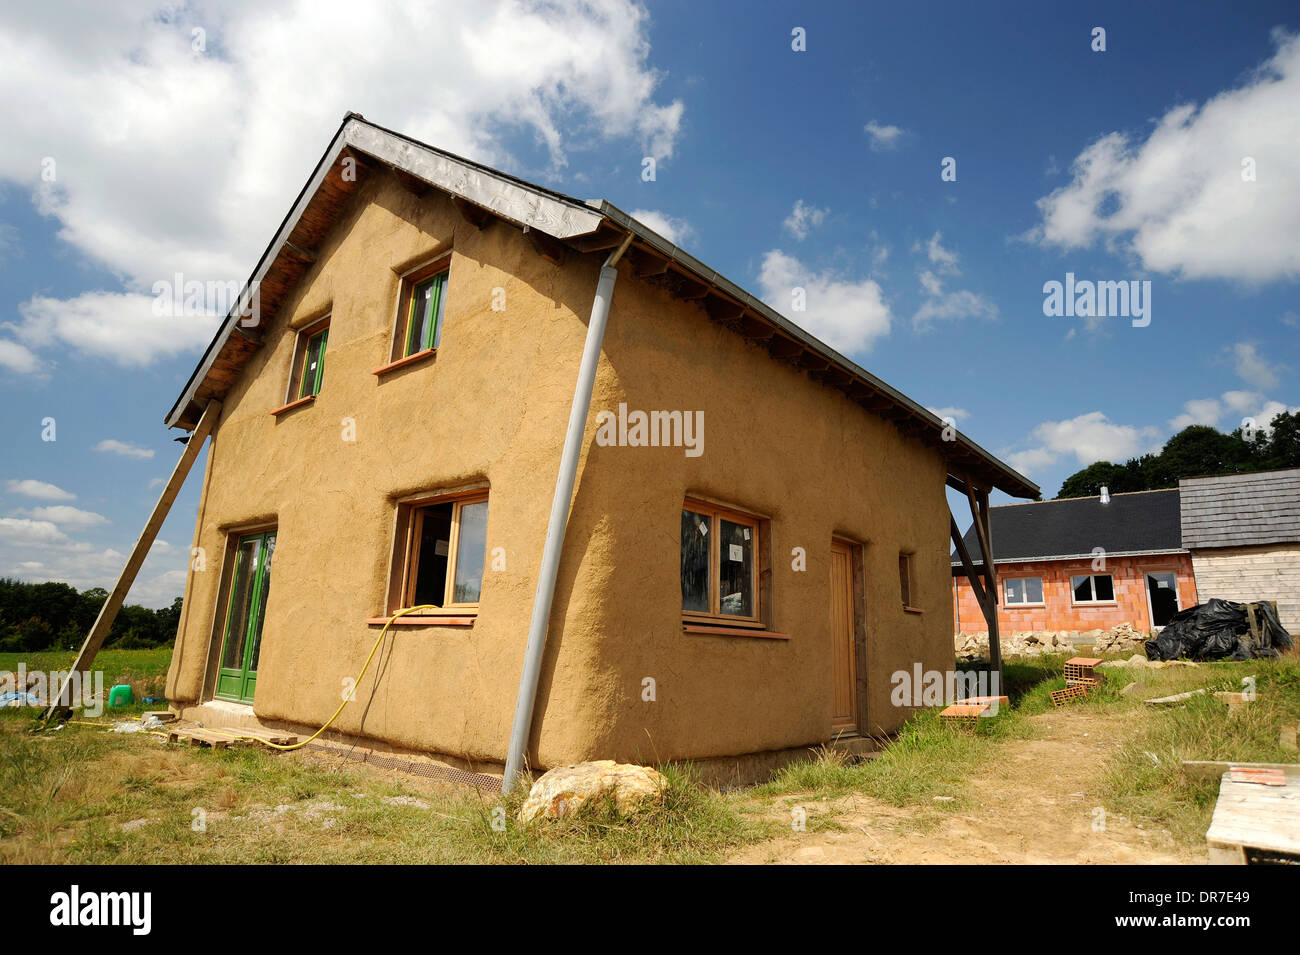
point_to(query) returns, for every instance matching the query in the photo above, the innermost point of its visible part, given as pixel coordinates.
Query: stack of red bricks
(1079, 679)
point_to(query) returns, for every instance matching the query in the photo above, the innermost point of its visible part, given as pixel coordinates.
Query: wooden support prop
(690, 290)
(545, 246)
(108, 612)
(968, 565)
(978, 500)
(476, 216)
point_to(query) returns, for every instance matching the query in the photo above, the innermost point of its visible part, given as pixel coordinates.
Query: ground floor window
(1093, 588)
(241, 644)
(1023, 590)
(720, 558)
(444, 546)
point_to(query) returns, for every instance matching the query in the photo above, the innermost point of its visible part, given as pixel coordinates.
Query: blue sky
(176, 150)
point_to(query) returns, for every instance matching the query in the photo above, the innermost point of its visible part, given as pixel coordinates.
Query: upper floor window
(1023, 590)
(907, 580)
(309, 360)
(720, 558)
(1093, 588)
(421, 308)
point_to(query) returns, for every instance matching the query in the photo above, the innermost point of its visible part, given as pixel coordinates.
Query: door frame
(1146, 590)
(235, 538)
(856, 552)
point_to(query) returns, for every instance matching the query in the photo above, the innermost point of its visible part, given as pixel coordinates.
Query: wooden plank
(108, 612)
(1257, 817)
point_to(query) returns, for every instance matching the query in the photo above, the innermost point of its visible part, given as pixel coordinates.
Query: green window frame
(428, 303)
(313, 363)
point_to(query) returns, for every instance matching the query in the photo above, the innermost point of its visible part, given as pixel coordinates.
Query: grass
(81, 794)
(144, 670)
(84, 795)
(1146, 780)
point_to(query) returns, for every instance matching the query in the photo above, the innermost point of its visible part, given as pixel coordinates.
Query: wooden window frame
(1008, 602)
(293, 395)
(406, 553)
(1076, 602)
(760, 570)
(907, 581)
(402, 325)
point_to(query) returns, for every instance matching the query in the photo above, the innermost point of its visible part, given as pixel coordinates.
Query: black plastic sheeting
(1219, 630)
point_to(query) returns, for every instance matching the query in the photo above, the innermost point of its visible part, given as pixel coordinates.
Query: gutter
(522, 727)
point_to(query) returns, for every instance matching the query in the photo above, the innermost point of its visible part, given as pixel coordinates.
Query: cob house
(717, 547)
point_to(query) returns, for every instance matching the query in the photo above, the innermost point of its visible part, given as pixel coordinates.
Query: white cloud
(121, 327)
(124, 448)
(944, 260)
(882, 137)
(68, 516)
(1088, 437)
(803, 218)
(847, 315)
(1252, 367)
(674, 230)
(20, 358)
(39, 489)
(956, 414)
(170, 160)
(1232, 409)
(22, 532)
(1178, 198)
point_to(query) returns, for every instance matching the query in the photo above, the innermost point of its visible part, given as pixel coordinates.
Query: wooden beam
(645, 264)
(302, 255)
(782, 347)
(545, 246)
(598, 241)
(979, 511)
(687, 288)
(755, 330)
(108, 612)
(412, 184)
(476, 216)
(968, 565)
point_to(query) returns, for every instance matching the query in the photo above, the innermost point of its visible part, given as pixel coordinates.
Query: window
(420, 310)
(1093, 588)
(444, 542)
(309, 361)
(1023, 590)
(720, 558)
(905, 581)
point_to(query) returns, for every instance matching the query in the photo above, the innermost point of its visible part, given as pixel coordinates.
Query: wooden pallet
(1257, 817)
(225, 738)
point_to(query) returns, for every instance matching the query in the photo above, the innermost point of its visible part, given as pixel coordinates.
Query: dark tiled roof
(1072, 527)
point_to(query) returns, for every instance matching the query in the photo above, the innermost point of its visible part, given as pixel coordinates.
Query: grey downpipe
(533, 651)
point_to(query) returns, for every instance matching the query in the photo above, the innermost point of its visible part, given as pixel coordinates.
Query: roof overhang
(557, 225)
(1004, 561)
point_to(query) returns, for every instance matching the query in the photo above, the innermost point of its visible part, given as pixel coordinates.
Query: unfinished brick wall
(1059, 611)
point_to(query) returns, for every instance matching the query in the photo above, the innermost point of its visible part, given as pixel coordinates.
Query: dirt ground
(1037, 805)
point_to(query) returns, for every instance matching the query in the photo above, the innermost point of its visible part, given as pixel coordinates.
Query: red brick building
(1082, 564)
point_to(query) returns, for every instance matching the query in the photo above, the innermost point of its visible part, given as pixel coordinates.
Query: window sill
(301, 402)
(1024, 606)
(700, 628)
(425, 620)
(1095, 603)
(403, 362)
(907, 609)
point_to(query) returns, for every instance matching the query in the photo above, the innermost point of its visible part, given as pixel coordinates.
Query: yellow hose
(380, 639)
(282, 746)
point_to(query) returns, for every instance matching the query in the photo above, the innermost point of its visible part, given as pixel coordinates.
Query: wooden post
(985, 518)
(108, 612)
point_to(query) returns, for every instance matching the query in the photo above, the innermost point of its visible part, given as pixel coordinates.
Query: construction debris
(1139, 662)
(1222, 630)
(1120, 639)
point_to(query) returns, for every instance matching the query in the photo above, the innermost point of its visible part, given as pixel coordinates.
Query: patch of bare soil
(1038, 802)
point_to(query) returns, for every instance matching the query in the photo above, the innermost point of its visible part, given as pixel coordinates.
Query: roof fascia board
(1109, 554)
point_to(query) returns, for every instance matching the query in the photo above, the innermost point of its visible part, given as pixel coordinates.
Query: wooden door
(844, 673)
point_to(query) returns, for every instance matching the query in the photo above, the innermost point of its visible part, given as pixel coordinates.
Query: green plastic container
(120, 695)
